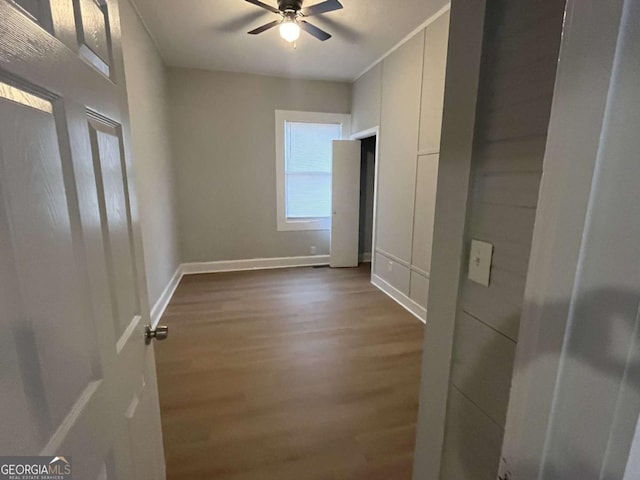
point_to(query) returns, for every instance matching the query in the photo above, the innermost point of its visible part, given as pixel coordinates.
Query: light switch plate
(480, 258)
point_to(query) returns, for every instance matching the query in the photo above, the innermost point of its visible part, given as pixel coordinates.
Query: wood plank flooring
(305, 374)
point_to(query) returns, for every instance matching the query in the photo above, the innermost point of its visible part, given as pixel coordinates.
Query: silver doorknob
(161, 332)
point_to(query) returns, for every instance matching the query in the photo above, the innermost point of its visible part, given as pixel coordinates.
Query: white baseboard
(161, 305)
(365, 257)
(412, 307)
(234, 266)
(254, 264)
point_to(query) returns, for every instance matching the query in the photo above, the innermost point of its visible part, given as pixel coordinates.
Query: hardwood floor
(305, 374)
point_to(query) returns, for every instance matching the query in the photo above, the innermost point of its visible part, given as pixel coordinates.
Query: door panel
(45, 320)
(92, 25)
(77, 378)
(55, 363)
(106, 147)
(38, 10)
(345, 203)
(21, 412)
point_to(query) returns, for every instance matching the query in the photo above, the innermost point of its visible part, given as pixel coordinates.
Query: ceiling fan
(293, 15)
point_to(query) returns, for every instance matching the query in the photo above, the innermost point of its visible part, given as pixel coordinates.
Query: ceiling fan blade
(266, 27)
(324, 7)
(313, 30)
(260, 4)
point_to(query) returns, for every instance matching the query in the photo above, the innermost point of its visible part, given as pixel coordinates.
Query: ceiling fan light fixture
(293, 18)
(290, 30)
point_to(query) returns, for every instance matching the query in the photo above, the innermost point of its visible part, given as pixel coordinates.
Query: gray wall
(148, 108)
(520, 53)
(223, 133)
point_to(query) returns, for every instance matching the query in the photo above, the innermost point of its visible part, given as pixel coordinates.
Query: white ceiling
(212, 34)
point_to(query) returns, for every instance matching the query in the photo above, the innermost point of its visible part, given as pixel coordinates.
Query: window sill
(285, 225)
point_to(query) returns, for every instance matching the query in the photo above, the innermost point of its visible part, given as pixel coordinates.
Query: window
(307, 169)
(303, 155)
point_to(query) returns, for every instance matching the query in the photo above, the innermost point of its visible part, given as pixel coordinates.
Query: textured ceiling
(211, 34)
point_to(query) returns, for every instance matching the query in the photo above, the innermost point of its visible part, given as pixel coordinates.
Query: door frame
(462, 81)
(361, 135)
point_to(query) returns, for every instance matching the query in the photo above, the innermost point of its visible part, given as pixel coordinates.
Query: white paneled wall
(423, 216)
(514, 100)
(404, 95)
(433, 77)
(401, 84)
(426, 182)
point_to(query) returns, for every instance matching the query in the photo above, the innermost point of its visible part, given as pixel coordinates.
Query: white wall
(403, 94)
(223, 127)
(148, 108)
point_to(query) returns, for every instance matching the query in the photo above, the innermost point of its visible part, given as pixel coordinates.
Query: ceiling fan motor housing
(284, 5)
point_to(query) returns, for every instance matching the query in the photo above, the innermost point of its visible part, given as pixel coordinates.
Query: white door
(345, 203)
(76, 378)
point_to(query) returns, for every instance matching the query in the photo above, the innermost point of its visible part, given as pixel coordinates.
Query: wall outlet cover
(480, 259)
(313, 250)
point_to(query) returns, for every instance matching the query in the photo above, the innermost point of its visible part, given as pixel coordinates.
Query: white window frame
(283, 116)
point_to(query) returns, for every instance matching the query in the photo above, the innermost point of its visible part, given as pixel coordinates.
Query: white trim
(424, 25)
(372, 132)
(165, 297)
(400, 298)
(404, 263)
(228, 266)
(420, 272)
(390, 256)
(369, 132)
(424, 153)
(466, 32)
(282, 116)
(254, 264)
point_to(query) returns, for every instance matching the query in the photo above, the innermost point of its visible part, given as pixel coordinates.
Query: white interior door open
(345, 203)
(77, 379)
